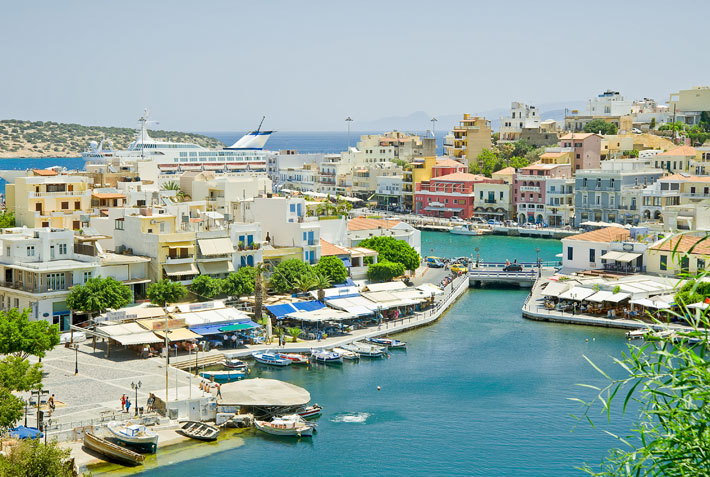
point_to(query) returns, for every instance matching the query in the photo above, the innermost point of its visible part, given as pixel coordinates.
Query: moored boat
(291, 425)
(199, 430)
(136, 436)
(323, 356)
(270, 358)
(364, 349)
(389, 342)
(637, 334)
(295, 358)
(224, 376)
(232, 362)
(467, 229)
(111, 451)
(347, 354)
(311, 411)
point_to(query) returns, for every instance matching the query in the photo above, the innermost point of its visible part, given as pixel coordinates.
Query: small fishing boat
(637, 334)
(199, 430)
(323, 356)
(134, 435)
(310, 412)
(224, 376)
(111, 451)
(272, 359)
(466, 229)
(234, 363)
(389, 342)
(295, 358)
(364, 349)
(291, 425)
(347, 354)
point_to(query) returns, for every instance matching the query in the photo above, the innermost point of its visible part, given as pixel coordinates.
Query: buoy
(378, 388)
(586, 340)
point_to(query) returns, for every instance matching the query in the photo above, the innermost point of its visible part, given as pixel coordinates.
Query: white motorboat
(390, 343)
(270, 358)
(296, 358)
(364, 349)
(347, 354)
(291, 425)
(637, 334)
(134, 435)
(323, 356)
(467, 229)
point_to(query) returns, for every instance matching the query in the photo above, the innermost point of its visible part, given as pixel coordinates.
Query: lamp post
(348, 120)
(433, 128)
(136, 386)
(76, 359)
(537, 254)
(477, 256)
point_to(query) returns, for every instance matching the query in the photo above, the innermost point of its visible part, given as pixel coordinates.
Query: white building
(361, 228)
(609, 103)
(521, 117)
(559, 201)
(247, 239)
(224, 194)
(390, 192)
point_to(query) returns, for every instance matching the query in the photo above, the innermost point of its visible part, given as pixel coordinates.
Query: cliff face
(50, 139)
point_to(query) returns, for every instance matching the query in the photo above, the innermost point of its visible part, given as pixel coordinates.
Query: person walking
(51, 405)
(128, 405)
(219, 390)
(123, 403)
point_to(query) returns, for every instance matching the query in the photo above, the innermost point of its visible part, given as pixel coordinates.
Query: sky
(307, 65)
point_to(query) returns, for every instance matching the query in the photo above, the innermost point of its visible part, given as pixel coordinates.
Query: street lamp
(433, 128)
(348, 120)
(477, 256)
(76, 359)
(537, 253)
(136, 386)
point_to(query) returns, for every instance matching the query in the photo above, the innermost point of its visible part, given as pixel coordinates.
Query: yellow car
(457, 268)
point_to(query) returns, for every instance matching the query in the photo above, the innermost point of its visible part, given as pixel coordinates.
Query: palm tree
(294, 332)
(180, 195)
(259, 293)
(305, 283)
(321, 284)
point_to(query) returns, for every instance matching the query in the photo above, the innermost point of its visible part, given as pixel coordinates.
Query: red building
(447, 166)
(450, 195)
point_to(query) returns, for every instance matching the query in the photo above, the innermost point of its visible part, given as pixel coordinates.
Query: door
(194, 410)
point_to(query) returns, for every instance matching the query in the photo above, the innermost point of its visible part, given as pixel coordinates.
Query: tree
(294, 333)
(652, 126)
(393, 250)
(12, 409)
(517, 162)
(165, 291)
(7, 219)
(30, 458)
(332, 268)
(240, 283)
(206, 287)
(98, 294)
(283, 280)
(322, 282)
(180, 194)
(18, 374)
(259, 292)
(400, 162)
(486, 163)
(21, 337)
(599, 126)
(384, 271)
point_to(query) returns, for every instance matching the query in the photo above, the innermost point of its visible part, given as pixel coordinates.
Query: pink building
(448, 196)
(529, 189)
(447, 166)
(587, 149)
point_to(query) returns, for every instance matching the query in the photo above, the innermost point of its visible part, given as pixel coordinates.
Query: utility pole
(348, 120)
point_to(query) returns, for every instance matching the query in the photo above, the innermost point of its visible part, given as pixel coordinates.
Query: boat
(466, 229)
(224, 376)
(233, 363)
(323, 356)
(637, 334)
(273, 359)
(364, 349)
(291, 425)
(389, 342)
(245, 155)
(295, 358)
(111, 451)
(134, 435)
(310, 412)
(199, 430)
(347, 354)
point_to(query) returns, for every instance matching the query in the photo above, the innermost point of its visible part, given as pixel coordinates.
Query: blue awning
(280, 311)
(22, 432)
(214, 328)
(346, 262)
(309, 305)
(347, 283)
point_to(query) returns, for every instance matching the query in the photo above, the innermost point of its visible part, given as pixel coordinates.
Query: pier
(546, 232)
(493, 273)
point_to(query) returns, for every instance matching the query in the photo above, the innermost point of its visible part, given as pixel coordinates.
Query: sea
(480, 392)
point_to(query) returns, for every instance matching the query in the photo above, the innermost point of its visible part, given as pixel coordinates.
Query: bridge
(493, 273)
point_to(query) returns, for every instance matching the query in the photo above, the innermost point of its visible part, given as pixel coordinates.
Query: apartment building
(419, 170)
(451, 195)
(688, 104)
(522, 116)
(529, 190)
(493, 200)
(248, 242)
(48, 199)
(467, 140)
(390, 192)
(225, 194)
(672, 190)
(586, 148)
(361, 228)
(559, 201)
(676, 160)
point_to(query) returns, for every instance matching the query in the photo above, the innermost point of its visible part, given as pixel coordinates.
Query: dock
(546, 232)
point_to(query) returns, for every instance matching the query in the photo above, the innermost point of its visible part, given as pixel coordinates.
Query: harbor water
(482, 392)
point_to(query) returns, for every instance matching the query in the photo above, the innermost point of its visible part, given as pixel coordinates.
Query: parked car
(458, 268)
(513, 267)
(457, 219)
(435, 264)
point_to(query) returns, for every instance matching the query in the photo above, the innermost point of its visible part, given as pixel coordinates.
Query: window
(55, 281)
(62, 249)
(584, 182)
(501, 195)
(292, 207)
(118, 224)
(599, 183)
(611, 183)
(701, 264)
(598, 199)
(664, 262)
(692, 190)
(87, 276)
(570, 253)
(31, 251)
(592, 255)
(612, 199)
(77, 205)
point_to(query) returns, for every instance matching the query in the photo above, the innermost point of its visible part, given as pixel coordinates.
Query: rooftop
(448, 163)
(363, 223)
(607, 234)
(462, 176)
(44, 172)
(684, 244)
(680, 151)
(578, 135)
(506, 170)
(327, 248)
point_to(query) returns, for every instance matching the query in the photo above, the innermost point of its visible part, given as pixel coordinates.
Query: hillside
(50, 139)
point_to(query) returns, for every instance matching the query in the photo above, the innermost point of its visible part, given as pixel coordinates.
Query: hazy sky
(306, 65)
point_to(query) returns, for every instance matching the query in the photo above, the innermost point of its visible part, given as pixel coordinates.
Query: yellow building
(562, 156)
(615, 145)
(47, 199)
(417, 171)
(675, 160)
(679, 254)
(506, 175)
(469, 138)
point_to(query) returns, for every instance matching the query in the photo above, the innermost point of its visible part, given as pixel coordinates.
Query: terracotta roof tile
(44, 172)
(462, 176)
(327, 248)
(680, 151)
(108, 195)
(507, 170)
(448, 163)
(578, 135)
(607, 234)
(362, 223)
(684, 244)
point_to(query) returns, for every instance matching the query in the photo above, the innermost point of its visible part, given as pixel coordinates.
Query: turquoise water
(481, 392)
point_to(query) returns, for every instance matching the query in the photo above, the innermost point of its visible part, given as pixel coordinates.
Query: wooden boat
(364, 349)
(199, 430)
(224, 376)
(310, 412)
(111, 451)
(389, 342)
(328, 357)
(136, 436)
(295, 358)
(272, 359)
(347, 354)
(291, 425)
(233, 363)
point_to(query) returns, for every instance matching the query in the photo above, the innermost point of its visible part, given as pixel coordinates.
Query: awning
(218, 246)
(136, 281)
(628, 257)
(180, 269)
(555, 289)
(604, 295)
(221, 316)
(239, 327)
(577, 294)
(324, 314)
(216, 268)
(430, 288)
(280, 311)
(218, 328)
(612, 255)
(346, 262)
(308, 305)
(181, 334)
(128, 334)
(386, 286)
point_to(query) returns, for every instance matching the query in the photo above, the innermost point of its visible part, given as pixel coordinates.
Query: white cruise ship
(245, 155)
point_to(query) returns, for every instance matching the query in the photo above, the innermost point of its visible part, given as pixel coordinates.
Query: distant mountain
(420, 121)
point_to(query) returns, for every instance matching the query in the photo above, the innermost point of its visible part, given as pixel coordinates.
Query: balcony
(18, 285)
(176, 261)
(490, 201)
(69, 193)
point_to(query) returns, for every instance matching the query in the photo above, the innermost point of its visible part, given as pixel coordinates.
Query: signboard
(529, 189)
(115, 315)
(172, 323)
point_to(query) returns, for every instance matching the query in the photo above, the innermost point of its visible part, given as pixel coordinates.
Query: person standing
(128, 405)
(123, 403)
(51, 405)
(234, 341)
(219, 390)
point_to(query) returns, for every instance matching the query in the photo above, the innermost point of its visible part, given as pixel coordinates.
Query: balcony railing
(18, 285)
(178, 260)
(69, 193)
